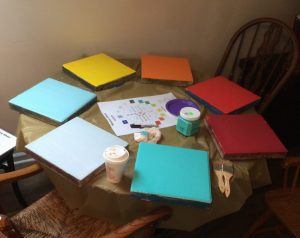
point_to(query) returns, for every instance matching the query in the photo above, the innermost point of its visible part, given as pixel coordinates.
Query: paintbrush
(218, 168)
(227, 174)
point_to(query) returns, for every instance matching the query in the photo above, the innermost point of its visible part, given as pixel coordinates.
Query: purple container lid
(174, 106)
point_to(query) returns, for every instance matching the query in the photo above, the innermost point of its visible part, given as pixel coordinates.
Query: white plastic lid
(190, 113)
(115, 153)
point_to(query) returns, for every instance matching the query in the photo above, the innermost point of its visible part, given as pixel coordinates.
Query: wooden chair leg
(259, 222)
(15, 186)
(18, 194)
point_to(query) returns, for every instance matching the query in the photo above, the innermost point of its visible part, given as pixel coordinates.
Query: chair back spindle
(291, 173)
(260, 56)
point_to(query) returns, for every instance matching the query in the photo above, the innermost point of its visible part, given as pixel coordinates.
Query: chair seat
(286, 206)
(50, 217)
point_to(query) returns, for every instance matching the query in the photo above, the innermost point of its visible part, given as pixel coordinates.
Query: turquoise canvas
(53, 101)
(172, 174)
(74, 149)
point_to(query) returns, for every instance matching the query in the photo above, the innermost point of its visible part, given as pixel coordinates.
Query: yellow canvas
(99, 71)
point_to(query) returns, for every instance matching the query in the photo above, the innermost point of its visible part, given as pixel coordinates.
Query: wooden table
(114, 201)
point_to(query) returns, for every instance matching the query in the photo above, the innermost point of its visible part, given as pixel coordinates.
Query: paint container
(188, 121)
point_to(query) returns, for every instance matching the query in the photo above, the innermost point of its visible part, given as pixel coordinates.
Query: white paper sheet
(142, 110)
(7, 141)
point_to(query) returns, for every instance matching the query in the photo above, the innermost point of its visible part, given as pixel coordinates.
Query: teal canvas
(53, 100)
(181, 175)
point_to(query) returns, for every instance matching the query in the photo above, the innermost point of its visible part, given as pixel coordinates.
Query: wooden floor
(233, 225)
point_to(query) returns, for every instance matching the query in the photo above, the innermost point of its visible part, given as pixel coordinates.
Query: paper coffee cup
(116, 158)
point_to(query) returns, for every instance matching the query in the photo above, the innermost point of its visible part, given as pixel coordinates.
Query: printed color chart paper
(7, 141)
(142, 110)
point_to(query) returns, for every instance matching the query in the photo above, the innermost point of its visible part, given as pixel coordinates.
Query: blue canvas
(177, 174)
(54, 100)
(74, 149)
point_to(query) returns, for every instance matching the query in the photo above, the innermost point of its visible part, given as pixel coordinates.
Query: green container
(188, 121)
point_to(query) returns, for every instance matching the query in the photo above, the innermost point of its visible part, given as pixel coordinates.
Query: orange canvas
(166, 68)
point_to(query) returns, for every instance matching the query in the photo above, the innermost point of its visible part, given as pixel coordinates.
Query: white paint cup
(116, 158)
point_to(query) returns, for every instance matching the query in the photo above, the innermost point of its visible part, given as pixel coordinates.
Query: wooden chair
(50, 217)
(284, 204)
(7, 164)
(261, 56)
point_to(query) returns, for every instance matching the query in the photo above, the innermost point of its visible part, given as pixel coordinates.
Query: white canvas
(75, 148)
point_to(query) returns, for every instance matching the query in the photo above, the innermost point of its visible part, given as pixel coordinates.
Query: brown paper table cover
(113, 201)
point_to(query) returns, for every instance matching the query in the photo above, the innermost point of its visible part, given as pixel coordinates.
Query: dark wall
(283, 114)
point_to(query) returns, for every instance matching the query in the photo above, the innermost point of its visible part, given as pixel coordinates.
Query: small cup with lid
(188, 122)
(116, 158)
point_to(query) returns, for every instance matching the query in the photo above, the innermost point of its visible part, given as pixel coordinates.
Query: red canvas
(244, 136)
(222, 96)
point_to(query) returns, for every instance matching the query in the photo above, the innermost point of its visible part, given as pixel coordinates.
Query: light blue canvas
(53, 99)
(75, 148)
(172, 172)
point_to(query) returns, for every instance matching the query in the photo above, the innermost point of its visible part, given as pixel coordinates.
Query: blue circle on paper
(174, 106)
